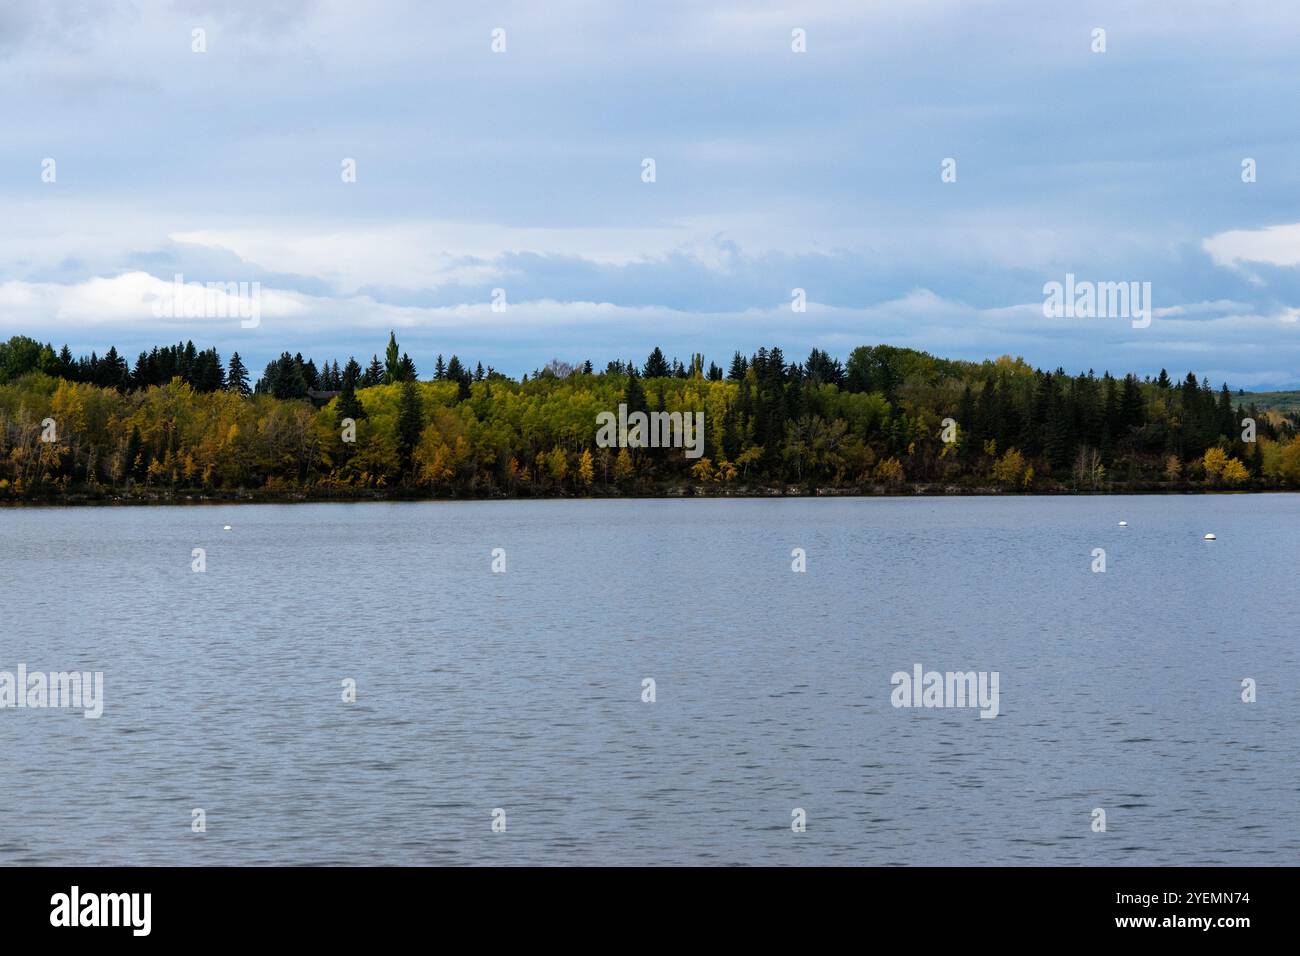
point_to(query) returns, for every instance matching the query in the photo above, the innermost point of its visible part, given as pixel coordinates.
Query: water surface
(522, 690)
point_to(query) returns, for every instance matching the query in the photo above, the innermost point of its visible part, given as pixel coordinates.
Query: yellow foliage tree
(889, 472)
(1010, 468)
(1214, 462)
(1234, 472)
(558, 464)
(623, 469)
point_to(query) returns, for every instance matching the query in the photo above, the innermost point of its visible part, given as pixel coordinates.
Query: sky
(774, 170)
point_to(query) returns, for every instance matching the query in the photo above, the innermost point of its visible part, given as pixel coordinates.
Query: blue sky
(774, 170)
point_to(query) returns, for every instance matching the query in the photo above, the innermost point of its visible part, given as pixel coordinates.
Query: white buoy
(1123, 524)
(1210, 537)
(226, 528)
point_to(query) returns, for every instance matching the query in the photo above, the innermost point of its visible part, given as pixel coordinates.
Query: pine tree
(656, 366)
(634, 394)
(349, 406)
(113, 371)
(410, 422)
(283, 378)
(1227, 421)
(141, 375)
(392, 361)
(739, 365)
(188, 358)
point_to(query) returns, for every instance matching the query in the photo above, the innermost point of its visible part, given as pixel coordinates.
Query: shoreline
(173, 499)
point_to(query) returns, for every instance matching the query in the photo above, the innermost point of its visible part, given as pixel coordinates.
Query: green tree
(237, 377)
(392, 361)
(656, 366)
(410, 422)
(349, 406)
(634, 394)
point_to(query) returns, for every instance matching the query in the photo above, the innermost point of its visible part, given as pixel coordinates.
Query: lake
(523, 691)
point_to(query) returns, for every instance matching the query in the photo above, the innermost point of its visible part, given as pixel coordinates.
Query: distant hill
(1283, 402)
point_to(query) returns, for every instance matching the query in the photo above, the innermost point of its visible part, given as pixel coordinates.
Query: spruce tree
(410, 422)
(392, 361)
(634, 394)
(738, 367)
(349, 406)
(656, 366)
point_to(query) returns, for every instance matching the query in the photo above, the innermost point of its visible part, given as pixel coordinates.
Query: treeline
(182, 422)
(289, 376)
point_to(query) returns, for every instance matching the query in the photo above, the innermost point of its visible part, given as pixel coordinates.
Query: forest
(180, 423)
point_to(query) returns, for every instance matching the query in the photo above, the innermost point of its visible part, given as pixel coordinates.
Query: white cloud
(1273, 245)
(1245, 348)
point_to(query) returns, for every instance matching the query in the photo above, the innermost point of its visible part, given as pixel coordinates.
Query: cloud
(1273, 245)
(1242, 347)
(776, 171)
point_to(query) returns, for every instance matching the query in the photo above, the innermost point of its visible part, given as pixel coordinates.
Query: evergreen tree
(142, 374)
(349, 406)
(634, 394)
(284, 378)
(656, 366)
(410, 422)
(188, 358)
(392, 361)
(112, 372)
(739, 365)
